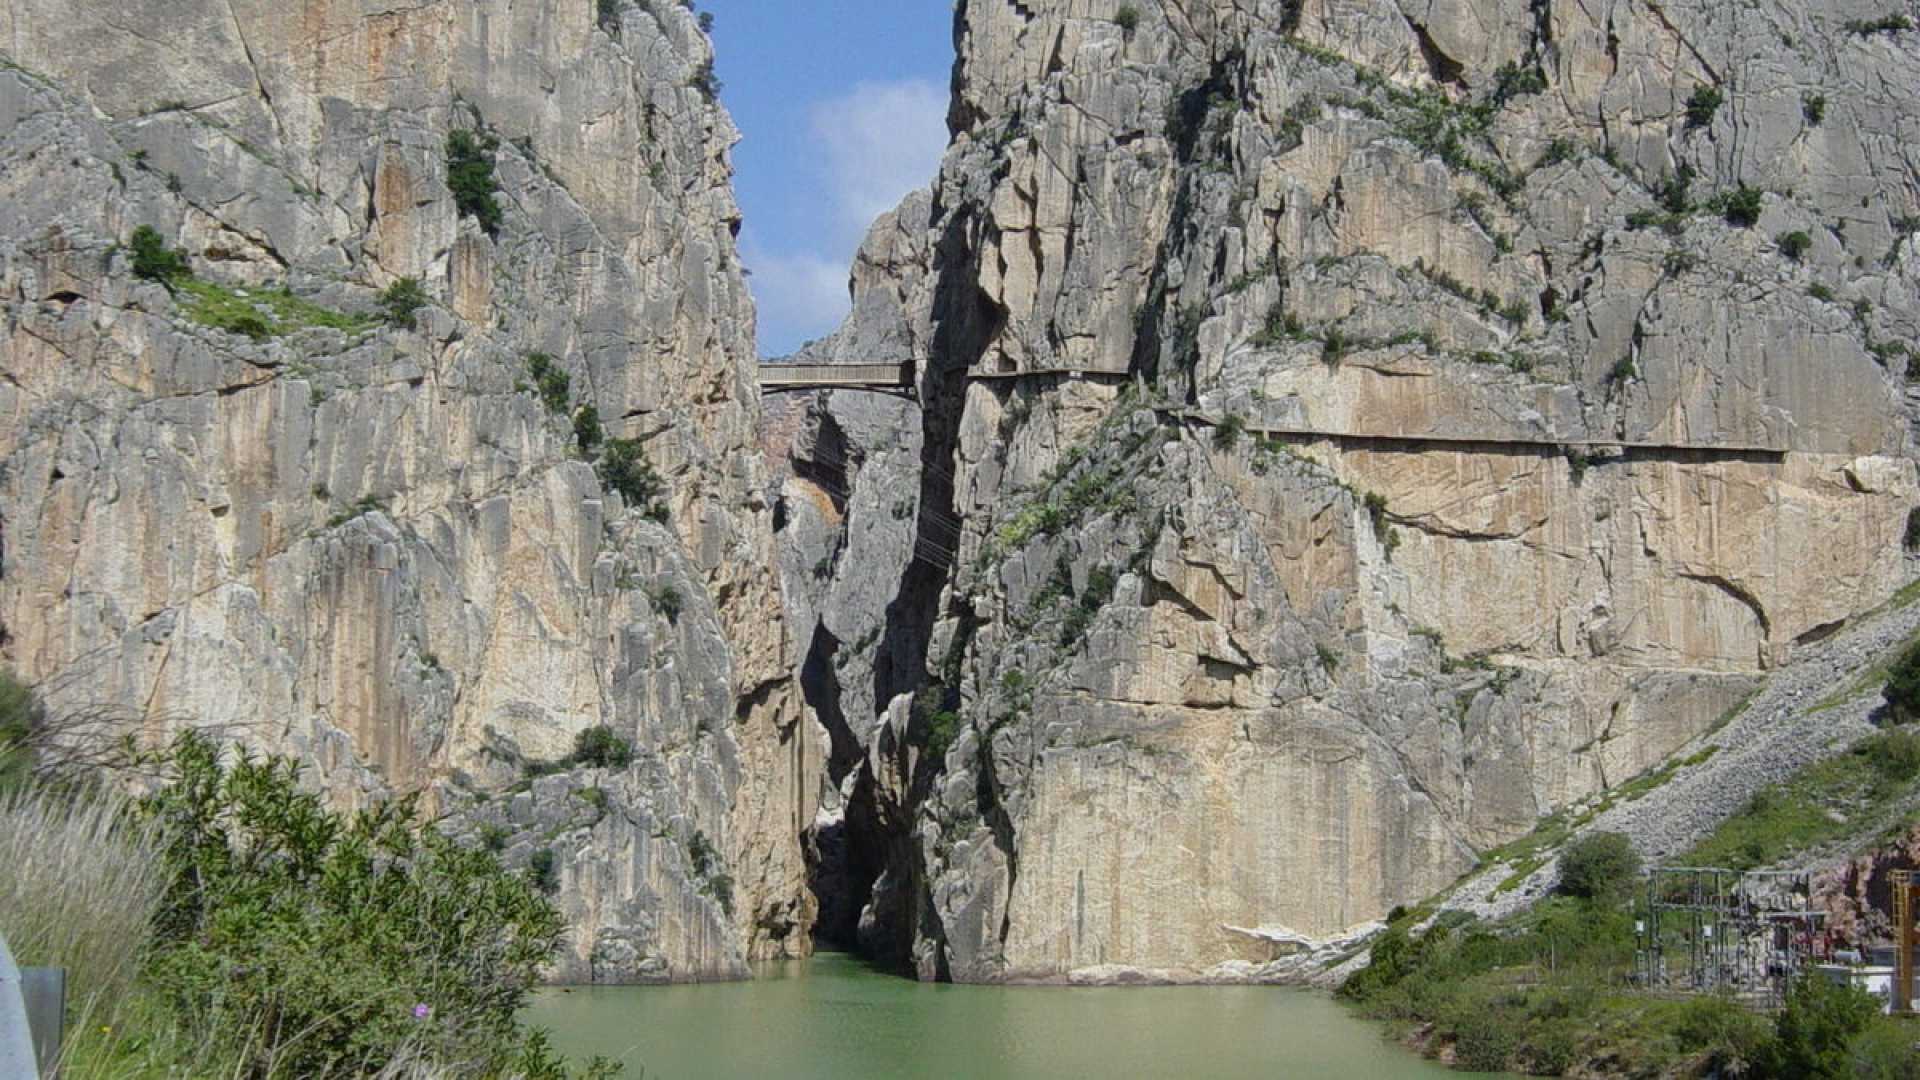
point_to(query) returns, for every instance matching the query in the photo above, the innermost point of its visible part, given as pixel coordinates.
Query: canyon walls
(1349, 432)
(392, 546)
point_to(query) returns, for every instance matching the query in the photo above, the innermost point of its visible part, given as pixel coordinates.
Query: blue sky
(842, 107)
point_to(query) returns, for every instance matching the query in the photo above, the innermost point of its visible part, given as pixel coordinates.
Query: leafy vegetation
(1127, 18)
(402, 301)
(1546, 992)
(599, 747)
(1704, 102)
(259, 313)
(943, 726)
(1822, 803)
(1885, 24)
(1599, 866)
(624, 468)
(587, 432)
(1741, 207)
(666, 600)
(230, 925)
(470, 177)
(1902, 691)
(714, 881)
(1814, 108)
(706, 81)
(153, 260)
(1794, 245)
(20, 713)
(550, 381)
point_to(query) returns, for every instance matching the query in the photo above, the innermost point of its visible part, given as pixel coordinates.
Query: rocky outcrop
(253, 502)
(1350, 432)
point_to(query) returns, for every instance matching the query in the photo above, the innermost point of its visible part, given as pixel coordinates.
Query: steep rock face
(374, 546)
(1370, 427)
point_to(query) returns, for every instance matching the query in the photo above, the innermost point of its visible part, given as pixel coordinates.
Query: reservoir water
(833, 1017)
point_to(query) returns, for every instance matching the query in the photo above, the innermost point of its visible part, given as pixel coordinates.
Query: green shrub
(1702, 105)
(943, 726)
(1794, 245)
(1550, 1051)
(1814, 108)
(1127, 18)
(1485, 1042)
(1743, 207)
(153, 259)
(1675, 193)
(705, 81)
(550, 381)
(1226, 434)
(598, 747)
(1813, 1035)
(1334, 347)
(1886, 24)
(310, 943)
(607, 14)
(624, 468)
(1895, 755)
(586, 428)
(470, 177)
(1599, 865)
(1902, 691)
(1888, 1050)
(20, 715)
(401, 301)
(1727, 1032)
(666, 600)
(542, 872)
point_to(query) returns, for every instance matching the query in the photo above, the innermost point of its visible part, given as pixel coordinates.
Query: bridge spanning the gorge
(884, 378)
(897, 378)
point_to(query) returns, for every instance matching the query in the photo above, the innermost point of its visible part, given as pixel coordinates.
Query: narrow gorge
(1337, 435)
(1347, 433)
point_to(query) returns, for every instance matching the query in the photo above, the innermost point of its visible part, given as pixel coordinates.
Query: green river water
(834, 1017)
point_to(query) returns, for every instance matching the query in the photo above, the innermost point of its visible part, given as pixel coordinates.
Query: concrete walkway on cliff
(1803, 713)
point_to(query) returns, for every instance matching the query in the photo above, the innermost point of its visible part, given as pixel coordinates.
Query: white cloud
(882, 141)
(876, 143)
(799, 296)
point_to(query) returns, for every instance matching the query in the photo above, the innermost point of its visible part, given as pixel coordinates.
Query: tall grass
(83, 881)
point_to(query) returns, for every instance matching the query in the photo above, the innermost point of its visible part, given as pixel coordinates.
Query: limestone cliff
(251, 501)
(1352, 429)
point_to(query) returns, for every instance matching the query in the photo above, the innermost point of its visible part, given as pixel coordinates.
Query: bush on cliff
(470, 177)
(624, 468)
(600, 748)
(153, 259)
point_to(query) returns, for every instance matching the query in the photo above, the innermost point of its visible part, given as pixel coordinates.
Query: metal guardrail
(33, 1005)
